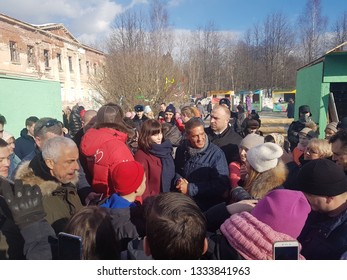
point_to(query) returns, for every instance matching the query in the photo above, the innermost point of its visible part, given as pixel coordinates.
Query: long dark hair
(111, 115)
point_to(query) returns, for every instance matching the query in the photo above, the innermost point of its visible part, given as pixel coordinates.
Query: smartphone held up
(286, 250)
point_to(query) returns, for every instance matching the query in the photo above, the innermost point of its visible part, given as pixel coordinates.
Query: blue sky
(89, 20)
(239, 15)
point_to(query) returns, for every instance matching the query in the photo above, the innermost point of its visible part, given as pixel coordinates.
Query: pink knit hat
(252, 238)
(284, 211)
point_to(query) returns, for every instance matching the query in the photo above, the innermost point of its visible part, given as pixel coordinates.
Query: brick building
(50, 53)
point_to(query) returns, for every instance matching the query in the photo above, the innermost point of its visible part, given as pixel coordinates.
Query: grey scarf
(193, 151)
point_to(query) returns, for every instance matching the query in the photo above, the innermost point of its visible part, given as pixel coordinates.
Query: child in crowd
(99, 241)
(124, 207)
(175, 228)
(129, 183)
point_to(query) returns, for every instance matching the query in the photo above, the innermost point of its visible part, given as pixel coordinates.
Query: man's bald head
(220, 116)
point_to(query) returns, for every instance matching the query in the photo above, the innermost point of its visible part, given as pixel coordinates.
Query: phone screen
(70, 246)
(286, 253)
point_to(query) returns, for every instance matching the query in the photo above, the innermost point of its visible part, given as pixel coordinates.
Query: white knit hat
(264, 157)
(147, 109)
(251, 140)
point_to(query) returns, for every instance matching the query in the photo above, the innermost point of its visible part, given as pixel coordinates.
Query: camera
(238, 194)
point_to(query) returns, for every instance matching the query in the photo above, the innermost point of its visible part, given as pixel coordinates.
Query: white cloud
(87, 20)
(174, 3)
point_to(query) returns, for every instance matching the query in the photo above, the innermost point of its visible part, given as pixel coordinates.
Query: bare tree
(147, 65)
(340, 30)
(261, 57)
(140, 68)
(207, 61)
(312, 28)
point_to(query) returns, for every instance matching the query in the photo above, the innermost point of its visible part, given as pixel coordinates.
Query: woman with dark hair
(156, 157)
(105, 145)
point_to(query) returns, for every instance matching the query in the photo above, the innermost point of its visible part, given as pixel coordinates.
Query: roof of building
(51, 29)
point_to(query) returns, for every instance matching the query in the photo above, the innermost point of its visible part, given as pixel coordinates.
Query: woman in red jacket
(156, 158)
(105, 145)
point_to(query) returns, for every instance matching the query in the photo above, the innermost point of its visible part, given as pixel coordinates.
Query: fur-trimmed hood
(267, 181)
(27, 175)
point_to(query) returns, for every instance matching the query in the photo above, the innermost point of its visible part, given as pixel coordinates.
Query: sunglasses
(50, 123)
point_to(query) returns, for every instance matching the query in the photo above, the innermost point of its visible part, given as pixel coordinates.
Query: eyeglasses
(310, 151)
(49, 123)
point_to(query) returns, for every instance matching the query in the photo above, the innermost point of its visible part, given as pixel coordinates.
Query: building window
(94, 68)
(30, 55)
(87, 65)
(70, 63)
(80, 66)
(14, 52)
(59, 61)
(46, 58)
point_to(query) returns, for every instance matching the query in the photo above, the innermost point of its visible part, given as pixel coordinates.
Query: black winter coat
(292, 133)
(75, 121)
(228, 141)
(24, 145)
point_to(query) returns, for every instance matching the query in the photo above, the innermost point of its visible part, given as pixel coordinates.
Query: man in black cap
(296, 126)
(140, 117)
(324, 236)
(170, 126)
(225, 102)
(170, 113)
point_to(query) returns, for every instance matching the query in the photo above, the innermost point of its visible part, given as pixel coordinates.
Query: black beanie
(322, 177)
(171, 109)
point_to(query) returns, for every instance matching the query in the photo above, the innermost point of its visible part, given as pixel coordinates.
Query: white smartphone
(70, 246)
(286, 250)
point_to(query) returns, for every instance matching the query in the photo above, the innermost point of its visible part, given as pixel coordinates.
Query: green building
(322, 84)
(21, 98)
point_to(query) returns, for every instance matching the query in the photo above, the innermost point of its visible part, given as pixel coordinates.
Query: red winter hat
(127, 177)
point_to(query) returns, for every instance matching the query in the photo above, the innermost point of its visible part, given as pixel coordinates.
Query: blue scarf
(164, 152)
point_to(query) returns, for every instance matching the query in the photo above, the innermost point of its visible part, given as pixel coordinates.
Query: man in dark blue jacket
(25, 144)
(201, 167)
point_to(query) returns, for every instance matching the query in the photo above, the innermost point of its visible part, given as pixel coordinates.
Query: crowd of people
(182, 183)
